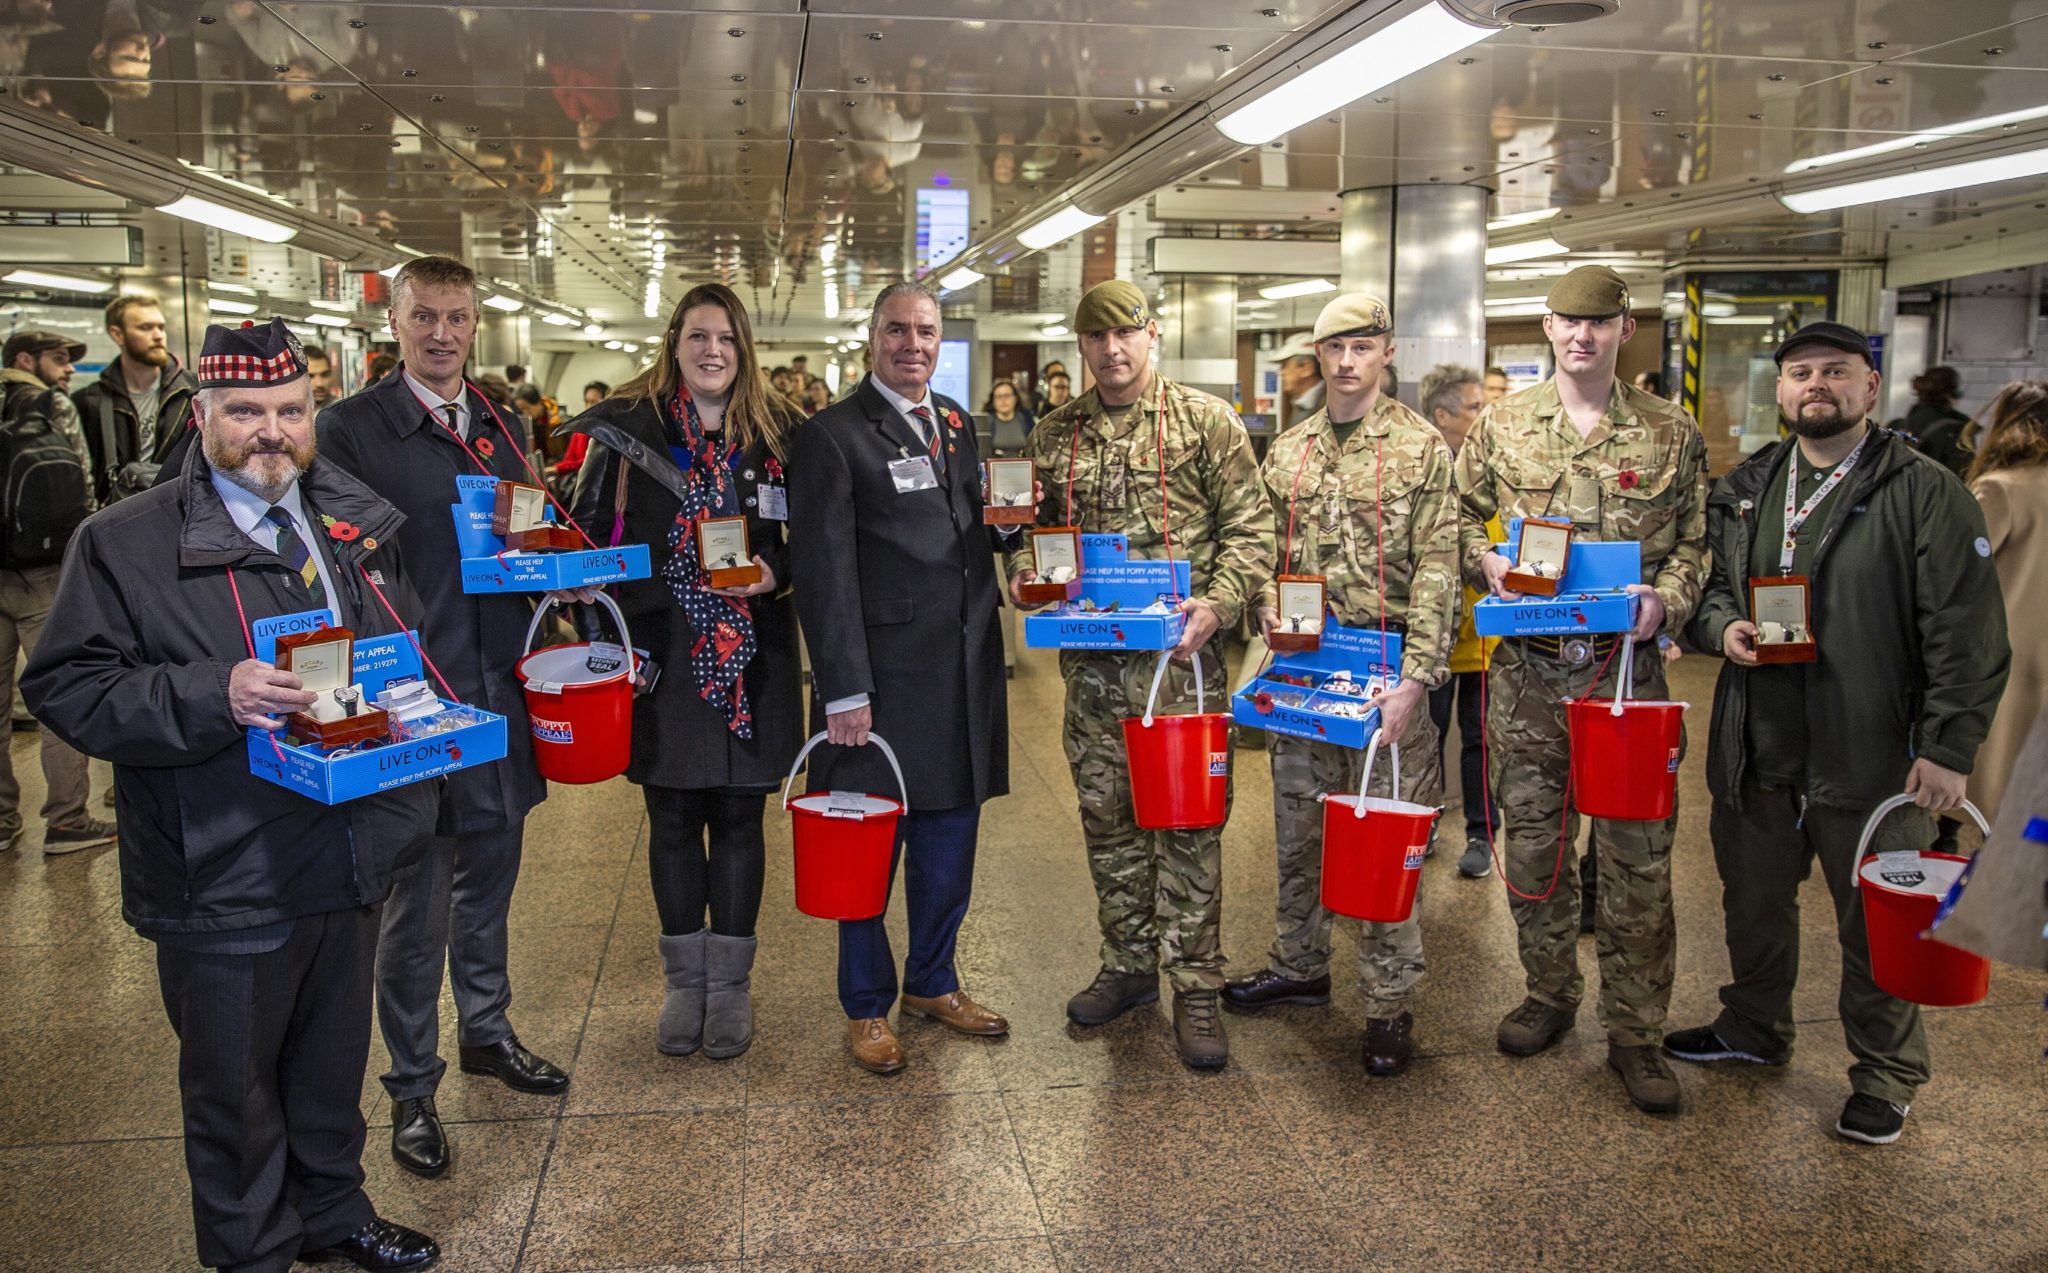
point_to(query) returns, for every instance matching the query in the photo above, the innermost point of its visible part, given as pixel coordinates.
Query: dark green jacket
(1907, 612)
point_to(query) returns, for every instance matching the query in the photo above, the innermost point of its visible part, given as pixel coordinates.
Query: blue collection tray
(1109, 577)
(487, 567)
(1290, 697)
(1590, 597)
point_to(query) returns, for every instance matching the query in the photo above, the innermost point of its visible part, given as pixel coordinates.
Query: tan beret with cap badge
(1110, 305)
(1353, 314)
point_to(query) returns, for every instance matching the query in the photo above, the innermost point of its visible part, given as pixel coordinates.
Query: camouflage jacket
(1217, 520)
(1386, 496)
(1640, 475)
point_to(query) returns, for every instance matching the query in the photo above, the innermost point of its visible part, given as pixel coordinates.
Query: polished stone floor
(1057, 1148)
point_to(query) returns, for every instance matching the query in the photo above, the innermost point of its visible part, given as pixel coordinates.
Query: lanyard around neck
(1796, 513)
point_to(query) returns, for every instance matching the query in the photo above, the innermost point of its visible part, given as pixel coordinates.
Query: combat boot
(1389, 1044)
(1651, 1084)
(1198, 1029)
(1533, 1027)
(1112, 994)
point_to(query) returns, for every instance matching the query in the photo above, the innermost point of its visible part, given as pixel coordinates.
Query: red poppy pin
(774, 467)
(1628, 479)
(484, 447)
(343, 531)
(953, 419)
(1263, 700)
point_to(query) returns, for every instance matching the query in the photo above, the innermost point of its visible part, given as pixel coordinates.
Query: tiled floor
(1058, 1148)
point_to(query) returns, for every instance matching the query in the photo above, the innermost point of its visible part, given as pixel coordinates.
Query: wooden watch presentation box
(1302, 606)
(1011, 487)
(324, 662)
(1781, 606)
(1056, 557)
(722, 548)
(519, 517)
(1540, 557)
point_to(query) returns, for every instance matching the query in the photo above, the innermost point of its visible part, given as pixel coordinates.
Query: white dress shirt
(248, 510)
(435, 403)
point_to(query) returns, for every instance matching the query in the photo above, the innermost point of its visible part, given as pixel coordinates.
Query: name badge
(913, 473)
(774, 502)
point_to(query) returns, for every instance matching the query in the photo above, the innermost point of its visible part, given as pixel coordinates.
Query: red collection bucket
(844, 843)
(580, 707)
(1373, 848)
(1902, 898)
(1179, 765)
(1625, 751)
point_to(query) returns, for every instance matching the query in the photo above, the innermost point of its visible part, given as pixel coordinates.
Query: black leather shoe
(515, 1067)
(380, 1245)
(1265, 988)
(1389, 1044)
(417, 1141)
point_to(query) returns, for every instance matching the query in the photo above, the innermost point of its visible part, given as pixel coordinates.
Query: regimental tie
(931, 432)
(454, 418)
(291, 546)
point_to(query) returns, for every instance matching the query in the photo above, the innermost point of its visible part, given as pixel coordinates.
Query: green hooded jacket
(1906, 611)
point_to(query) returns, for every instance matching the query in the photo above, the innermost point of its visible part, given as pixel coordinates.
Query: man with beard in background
(140, 406)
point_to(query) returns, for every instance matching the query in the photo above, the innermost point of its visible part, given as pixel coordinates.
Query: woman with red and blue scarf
(725, 720)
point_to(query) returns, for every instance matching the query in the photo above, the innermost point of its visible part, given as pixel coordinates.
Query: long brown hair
(2013, 431)
(748, 415)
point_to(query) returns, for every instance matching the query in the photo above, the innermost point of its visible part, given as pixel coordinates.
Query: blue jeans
(936, 849)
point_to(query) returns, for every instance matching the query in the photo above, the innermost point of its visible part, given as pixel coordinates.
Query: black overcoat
(383, 436)
(898, 598)
(679, 740)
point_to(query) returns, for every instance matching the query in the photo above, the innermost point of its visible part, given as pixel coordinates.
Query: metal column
(1198, 334)
(1422, 250)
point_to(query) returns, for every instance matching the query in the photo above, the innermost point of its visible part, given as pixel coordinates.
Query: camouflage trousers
(1158, 893)
(1634, 934)
(1391, 967)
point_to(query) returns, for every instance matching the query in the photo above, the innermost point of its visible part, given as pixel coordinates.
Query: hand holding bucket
(1179, 765)
(844, 843)
(1901, 901)
(582, 717)
(1373, 847)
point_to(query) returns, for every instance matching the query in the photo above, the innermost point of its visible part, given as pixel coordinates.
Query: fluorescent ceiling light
(962, 277)
(1508, 253)
(62, 282)
(324, 320)
(393, 271)
(1911, 140)
(593, 330)
(342, 307)
(1514, 219)
(1391, 53)
(1062, 225)
(614, 344)
(233, 220)
(631, 348)
(558, 320)
(219, 306)
(1055, 331)
(1518, 308)
(1906, 185)
(235, 288)
(1742, 320)
(504, 303)
(1288, 291)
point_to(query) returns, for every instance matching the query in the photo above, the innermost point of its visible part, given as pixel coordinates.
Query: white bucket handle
(1625, 684)
(874, 738)
(1160, 675)
(1878, 815)
(1372, 750)
(625, 639)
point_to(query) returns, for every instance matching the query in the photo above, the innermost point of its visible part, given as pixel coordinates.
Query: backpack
(44, 491)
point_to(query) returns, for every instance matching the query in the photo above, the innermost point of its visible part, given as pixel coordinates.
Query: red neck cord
(1165, 505)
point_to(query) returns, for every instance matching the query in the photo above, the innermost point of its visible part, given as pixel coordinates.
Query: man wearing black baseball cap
(262, 902)
(1853, 594)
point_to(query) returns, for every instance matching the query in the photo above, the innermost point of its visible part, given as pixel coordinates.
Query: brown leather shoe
(958, 1011)
(874, 1045)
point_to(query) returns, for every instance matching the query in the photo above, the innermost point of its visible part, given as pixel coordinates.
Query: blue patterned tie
(291, 546)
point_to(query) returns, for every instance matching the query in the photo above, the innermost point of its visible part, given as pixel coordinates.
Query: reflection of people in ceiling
(20, 22)
(81, 69)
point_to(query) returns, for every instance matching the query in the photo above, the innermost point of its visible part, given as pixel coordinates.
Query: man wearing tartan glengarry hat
(262, 902)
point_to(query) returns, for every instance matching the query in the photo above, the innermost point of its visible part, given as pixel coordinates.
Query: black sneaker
(1871, 1120)
(1476, 863)
(1265, 988)
(1701, 1044)
(86, 833)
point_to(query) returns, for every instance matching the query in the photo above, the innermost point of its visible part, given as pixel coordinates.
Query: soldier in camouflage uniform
(1362, 491)
(1620, 464)
(1141, 456)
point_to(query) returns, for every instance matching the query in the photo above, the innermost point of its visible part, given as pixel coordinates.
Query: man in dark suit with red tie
(896, 587)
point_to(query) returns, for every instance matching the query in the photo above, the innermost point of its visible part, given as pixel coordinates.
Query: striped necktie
(454, 418)
(931, 433)
(291, 546)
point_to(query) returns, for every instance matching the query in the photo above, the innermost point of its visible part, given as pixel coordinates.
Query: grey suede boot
(728, 1007)
(681, 1029)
